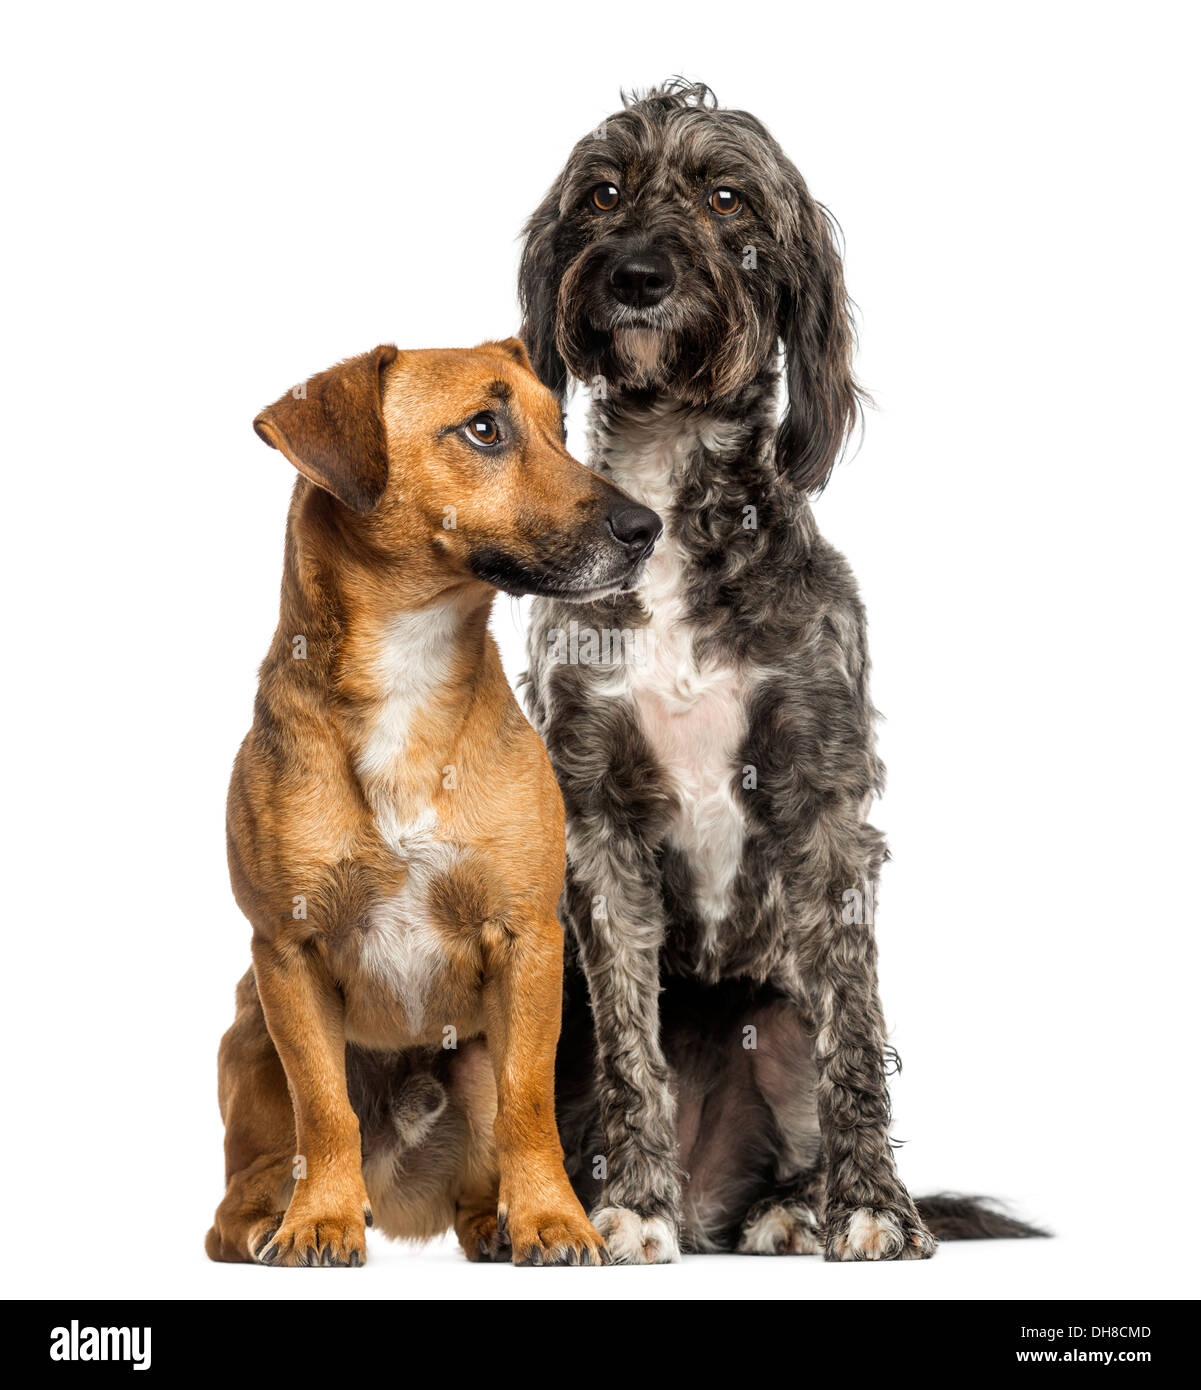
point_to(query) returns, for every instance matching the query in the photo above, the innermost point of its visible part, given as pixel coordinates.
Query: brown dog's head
(454, 463)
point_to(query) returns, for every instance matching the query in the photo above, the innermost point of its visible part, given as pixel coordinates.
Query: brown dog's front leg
(523, 1003)
(327, 1217)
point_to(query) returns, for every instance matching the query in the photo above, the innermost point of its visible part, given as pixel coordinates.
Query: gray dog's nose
(635, 527)
(641, 281)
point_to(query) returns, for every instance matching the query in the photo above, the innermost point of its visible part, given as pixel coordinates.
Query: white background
(205, 205)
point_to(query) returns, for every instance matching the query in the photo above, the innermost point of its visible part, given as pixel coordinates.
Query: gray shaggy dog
(722, 1070)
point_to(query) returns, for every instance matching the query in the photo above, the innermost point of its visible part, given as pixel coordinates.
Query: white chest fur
(692, 713)
(401, 948)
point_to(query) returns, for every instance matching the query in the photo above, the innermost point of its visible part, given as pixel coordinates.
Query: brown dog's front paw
(327, 1239)
(884, 1233)
(550, 1237)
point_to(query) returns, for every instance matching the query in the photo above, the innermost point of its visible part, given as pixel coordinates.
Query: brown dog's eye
(605, 196)
(482, 429)
(725, 201)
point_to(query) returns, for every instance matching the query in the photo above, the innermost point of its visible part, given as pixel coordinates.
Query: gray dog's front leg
(869, 1215)
(617, 917)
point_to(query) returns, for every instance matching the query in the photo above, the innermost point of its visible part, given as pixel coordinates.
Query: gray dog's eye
(605, 196)
(725, 201)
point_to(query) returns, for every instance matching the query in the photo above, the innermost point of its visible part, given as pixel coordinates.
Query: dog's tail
(950, 1216)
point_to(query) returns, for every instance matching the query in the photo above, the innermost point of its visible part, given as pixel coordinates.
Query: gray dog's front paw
(634, 1239)
(887, 1233)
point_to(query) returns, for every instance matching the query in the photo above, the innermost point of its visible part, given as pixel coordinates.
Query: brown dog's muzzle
(578, 562)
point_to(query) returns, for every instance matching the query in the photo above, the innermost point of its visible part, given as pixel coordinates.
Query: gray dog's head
(676, 252)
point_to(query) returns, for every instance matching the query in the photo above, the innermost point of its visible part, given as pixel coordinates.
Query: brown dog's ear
(332, 428)
(516, 350)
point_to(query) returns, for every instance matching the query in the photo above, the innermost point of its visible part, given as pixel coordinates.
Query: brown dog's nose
(635, 527)
(641, 281)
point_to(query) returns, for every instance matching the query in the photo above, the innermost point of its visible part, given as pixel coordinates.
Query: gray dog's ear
(538, 291)
(817, 332)
(332, 428)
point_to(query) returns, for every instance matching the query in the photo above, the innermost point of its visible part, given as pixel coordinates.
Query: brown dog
(395, 830)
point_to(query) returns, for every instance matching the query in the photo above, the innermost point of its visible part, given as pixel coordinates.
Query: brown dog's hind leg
(478, 1229)
(260, 1134)
(480, 1233)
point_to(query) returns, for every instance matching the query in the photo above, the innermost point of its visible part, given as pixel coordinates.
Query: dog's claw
(308, 1244)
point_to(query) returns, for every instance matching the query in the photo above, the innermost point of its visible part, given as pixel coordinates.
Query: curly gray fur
(728, 1090)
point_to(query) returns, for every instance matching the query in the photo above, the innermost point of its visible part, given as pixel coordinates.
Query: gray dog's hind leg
(786, 1219)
